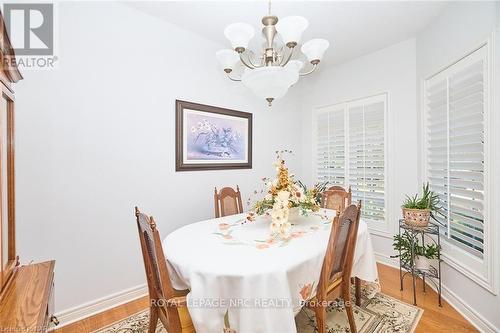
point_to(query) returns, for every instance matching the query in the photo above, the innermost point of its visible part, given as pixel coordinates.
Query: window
(350, 151)
(455, 100)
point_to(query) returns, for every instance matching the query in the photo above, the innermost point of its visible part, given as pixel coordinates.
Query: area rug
(381, 314)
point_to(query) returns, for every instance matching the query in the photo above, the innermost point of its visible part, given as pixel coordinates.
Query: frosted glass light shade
(291, 28)
(270, 82)
(239, 34)
(294, 65)
(315, 49)
(227, 58)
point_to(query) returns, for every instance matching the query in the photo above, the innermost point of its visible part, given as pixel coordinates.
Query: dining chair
(337, 266)
(336, 197)
(227, 202)
(166, 303)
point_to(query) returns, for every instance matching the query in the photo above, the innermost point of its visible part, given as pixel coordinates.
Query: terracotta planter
(416, 217)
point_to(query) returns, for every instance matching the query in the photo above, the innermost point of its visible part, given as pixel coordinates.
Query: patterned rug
(381, 314)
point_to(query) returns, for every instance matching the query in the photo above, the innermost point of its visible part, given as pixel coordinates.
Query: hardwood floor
(434, 319)
(106, 318)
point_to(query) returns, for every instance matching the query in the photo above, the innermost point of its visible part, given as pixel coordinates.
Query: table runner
(240, 277)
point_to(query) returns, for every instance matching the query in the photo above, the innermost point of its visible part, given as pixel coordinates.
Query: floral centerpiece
(286, 198)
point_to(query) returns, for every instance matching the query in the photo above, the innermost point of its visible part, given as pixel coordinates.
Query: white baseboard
(469, 313)
(476, 319)
(99, 305)
(386, 260)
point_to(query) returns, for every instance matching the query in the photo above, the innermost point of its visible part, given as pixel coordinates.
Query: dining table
(241, 279)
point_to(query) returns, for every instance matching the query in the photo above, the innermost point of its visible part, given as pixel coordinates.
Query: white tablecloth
(232, 266)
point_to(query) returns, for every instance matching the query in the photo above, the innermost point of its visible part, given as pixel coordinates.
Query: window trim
(481, 271)
(381, 228)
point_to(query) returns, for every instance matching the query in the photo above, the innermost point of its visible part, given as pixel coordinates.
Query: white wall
(390, 70)
(96, 137)
(458, 30)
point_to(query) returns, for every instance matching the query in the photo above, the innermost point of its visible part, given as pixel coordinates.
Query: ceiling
(353, 28)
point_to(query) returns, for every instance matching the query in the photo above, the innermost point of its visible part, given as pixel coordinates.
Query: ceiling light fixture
(274, 72)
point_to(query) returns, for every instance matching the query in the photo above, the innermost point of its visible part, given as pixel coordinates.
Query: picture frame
(211, 138)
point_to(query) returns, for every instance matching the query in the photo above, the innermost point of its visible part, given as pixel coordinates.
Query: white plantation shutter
(437, 143)
(355, 130)
(366, 158)
(455, 154)
(331, 146)
(356, 157)
(466, 155)
(322, 148)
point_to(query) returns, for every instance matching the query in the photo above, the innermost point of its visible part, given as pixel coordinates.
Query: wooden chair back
(227, 202)
(337, 198)
(340, 251)
(159, 285)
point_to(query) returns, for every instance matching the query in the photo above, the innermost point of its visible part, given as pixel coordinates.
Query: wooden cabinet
(8, 76)
(27, 302)
(7, 218)
(26, 292)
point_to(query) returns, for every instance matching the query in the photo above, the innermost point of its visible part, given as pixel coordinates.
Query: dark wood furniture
(166, 303)
(227, 202)
(26, 292)
(337, 266)
(336, 197)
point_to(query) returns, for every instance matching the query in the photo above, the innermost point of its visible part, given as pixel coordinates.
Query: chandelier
(271, 74)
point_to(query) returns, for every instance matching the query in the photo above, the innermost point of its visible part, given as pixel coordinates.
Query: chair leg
(320, 313)
(153, 319)
(357, 284)
(168, 325)
(346, 295)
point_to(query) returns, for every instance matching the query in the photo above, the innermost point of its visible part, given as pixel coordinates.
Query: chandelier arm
(288, 58)
(245, 63)
(310, 71)
(232, 78)
(250, 55)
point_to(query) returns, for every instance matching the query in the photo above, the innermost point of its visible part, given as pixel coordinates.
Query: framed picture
(211, 138)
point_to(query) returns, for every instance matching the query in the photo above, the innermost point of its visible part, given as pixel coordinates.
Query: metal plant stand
(405, 268)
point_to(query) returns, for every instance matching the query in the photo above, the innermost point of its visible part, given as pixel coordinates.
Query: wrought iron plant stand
(429, 233)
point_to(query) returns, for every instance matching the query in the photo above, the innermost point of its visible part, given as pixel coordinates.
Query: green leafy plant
(428, 200)
(430, 251)
(316, 190)
(402, 243)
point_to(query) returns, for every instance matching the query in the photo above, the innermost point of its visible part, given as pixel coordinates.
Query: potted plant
(423, 253)
(417, 210)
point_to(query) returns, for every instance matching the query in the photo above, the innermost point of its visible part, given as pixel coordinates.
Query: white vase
(422, 263)
(293, 214)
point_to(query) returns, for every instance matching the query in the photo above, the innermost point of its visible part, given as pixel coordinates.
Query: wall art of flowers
(212, 138)
(215, 137)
